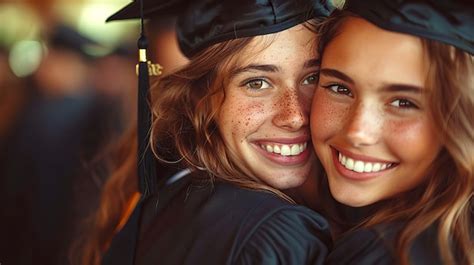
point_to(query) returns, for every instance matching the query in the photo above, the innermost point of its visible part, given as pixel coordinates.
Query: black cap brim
(132, 10)
(450, 22)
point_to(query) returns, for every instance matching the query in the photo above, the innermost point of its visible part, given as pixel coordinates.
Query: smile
(362, 166)
(285, 149)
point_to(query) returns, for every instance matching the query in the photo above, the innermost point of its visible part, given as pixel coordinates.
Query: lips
(360, 167)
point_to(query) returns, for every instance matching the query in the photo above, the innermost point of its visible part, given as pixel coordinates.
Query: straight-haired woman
(393, 127)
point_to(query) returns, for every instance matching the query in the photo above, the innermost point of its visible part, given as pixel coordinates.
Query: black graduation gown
(375, 245)
(192, 222)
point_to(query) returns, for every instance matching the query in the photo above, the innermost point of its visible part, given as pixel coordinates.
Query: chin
(351, 202)
(288, 182)
(350, 198)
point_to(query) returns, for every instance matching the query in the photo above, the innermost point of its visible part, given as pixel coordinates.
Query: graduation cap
(450, 22)
(150, 9)
(200, 24)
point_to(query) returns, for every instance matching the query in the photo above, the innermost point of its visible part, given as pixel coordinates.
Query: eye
(310, 80)
(403, 103)
(339, 89)
(257, 84)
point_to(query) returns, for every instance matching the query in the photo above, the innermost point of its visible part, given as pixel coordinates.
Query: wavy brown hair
(445, 199)
(117, 191)
(184, 105)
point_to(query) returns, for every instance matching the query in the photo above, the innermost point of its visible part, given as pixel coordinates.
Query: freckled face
(264, 117)
(370, 122)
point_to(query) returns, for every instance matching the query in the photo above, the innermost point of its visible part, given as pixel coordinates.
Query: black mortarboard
(447, 21)
(200, 24)
(151, 8)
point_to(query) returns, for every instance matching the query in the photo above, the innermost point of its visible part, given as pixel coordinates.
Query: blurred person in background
(53, 121)
(67, 118)
(44, 148)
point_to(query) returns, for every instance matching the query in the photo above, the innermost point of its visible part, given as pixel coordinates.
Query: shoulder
(242, 204)
(288, 235)
(258, 209)
(240, 226)
(273, 231)
(376, 245)
(362, 246)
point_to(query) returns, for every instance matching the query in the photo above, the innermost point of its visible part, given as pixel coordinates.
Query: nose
(292, 111)
(363, 126)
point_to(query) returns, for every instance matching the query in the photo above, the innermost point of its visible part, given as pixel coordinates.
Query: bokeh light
(25, 57)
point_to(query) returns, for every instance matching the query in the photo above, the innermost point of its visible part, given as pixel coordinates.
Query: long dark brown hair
(445, 199)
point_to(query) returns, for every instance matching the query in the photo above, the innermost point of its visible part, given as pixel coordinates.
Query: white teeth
(361, 166)
(295, 149)
(276, 149)
(368, 167)
(376, 167)
(349, 163)
(284, 149)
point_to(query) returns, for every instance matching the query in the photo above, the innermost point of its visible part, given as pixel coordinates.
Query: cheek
(239, 117)
(327, 116)
(414, 140)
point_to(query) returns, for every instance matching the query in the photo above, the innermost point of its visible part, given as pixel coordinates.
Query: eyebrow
(385, 88)
(271, 67)
(256, 67)
(312, 63)
(337, 74)
(402, 88)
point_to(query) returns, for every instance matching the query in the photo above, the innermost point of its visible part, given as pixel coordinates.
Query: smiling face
(370, 122)
(264, 117)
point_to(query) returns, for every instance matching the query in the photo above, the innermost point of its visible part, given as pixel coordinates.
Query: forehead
(365, 51)
(288, 45)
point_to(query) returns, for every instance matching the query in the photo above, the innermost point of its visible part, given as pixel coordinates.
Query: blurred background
(67, 92)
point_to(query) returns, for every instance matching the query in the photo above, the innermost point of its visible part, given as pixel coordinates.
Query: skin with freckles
(266, 107)
(371, 106)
